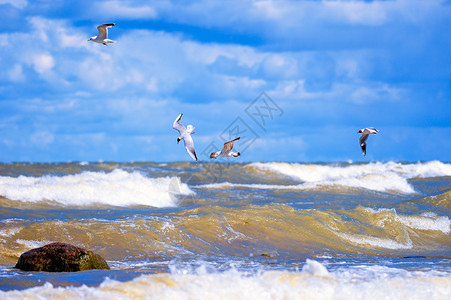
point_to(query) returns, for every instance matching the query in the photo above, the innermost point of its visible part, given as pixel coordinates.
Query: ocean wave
(426, 221)
(386, 229)
(251, 230)
(116, 188)
(380, 183)
(443, 199)
(385, 243)
(314, 281)
(377, 176)
(229, 185)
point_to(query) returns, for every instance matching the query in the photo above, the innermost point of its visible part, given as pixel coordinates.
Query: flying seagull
(102, 38)
(185, 135)
(227, 150)
(365, 133)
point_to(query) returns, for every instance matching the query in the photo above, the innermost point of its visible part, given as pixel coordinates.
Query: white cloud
(43, 63)
(16, 73)
(20, 4)
(279, 65)
(42, 138)
(294, 89)
(152, 85)
(3, 39)
(355, 12)
(124, 9)
(41, 27)
(269, 9)
(302, 21)
(165, 65)
(376, 92)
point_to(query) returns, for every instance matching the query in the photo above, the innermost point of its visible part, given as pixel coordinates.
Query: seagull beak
(192, 132)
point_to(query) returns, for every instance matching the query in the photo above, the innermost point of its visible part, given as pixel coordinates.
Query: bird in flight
(365, 133)
(227, 150)
(102, 38)
(185, 135)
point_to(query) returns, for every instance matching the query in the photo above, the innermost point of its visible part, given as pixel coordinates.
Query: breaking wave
(313, 281)
(117, 188)
(382, 177)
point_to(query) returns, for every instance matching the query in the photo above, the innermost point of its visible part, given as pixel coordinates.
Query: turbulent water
(232, 231)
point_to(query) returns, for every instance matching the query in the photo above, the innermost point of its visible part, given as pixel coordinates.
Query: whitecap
(117, 188)
(377, 176)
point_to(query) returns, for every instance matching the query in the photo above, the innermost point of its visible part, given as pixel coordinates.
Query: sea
(227, 230)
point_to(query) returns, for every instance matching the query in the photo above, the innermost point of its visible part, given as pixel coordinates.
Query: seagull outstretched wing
(229, 145)
(103, 30)
(178, 126)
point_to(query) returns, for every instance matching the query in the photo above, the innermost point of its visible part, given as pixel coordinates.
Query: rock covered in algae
(60, 257)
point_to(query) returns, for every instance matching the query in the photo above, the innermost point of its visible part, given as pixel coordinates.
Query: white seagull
(365, 133)
(227, 150)
(102, 38)
(185, 135)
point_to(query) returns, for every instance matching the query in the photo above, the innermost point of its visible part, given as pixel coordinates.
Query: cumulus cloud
(323, 61)
(374, 13)
(377, 93)
(20, 4)
(16, 73)
(125, 9)
(280, 18)
(42, 62)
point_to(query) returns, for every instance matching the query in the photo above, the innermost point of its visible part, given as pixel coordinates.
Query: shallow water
(212, 231)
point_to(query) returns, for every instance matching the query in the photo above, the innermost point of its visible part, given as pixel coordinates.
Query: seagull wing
(364, 137)
(189, 146)
(362, 141)
(103, 30)
(178, 126)
(372, 130)
(229, 145)
(363, 146)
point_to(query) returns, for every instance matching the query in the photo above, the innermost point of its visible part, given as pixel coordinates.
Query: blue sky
(296, 79)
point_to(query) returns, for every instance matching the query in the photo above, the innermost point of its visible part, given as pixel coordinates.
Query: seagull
(185, 135)
(102, 38)
(227, 150)
(365, 133)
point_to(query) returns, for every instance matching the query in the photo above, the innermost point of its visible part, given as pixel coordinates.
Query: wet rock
(60, 257)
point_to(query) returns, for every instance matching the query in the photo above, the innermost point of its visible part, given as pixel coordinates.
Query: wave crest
(382, 177)
(117, 188)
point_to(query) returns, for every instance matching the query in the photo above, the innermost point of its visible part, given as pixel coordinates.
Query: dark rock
(60, 257)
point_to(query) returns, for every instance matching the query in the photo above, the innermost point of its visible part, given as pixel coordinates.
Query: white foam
(8, 232)
(361, 239)
(313, 282)
(228, 185)
(117, 188)
(427, 221)
(32, 244)
(386, 183)
(315, 268)
(390, 176)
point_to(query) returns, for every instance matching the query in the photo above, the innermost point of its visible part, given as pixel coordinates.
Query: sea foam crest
(117, 188)
(377, 176)
(426, 221)
(307, 284)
